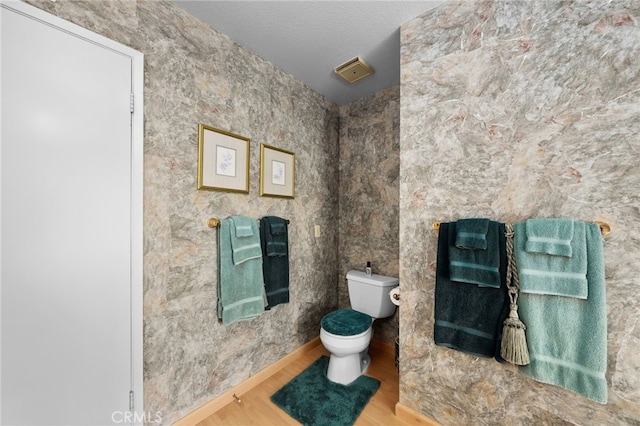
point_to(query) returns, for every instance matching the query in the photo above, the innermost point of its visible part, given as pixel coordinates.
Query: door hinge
(130, 400)
(131, 102)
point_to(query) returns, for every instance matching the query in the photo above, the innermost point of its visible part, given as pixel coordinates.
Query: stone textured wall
(512, 110)
(194, 74)
(369, 192)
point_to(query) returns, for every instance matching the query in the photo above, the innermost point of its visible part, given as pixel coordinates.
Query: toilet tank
(370, 293)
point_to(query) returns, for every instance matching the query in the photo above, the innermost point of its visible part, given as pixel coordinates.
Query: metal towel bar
(214, 223)
(604, 227)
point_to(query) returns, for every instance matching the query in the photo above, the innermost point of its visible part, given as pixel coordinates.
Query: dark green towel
(480, 267)
(469, 318)
(275, 236)
(471, 234)
(274, 241)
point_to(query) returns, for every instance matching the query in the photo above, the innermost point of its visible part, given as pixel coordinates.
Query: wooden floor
(256, 407)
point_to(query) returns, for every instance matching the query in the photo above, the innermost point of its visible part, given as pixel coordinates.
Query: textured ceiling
(308, 39)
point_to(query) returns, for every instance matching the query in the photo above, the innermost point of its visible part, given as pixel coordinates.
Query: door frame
(136, 191)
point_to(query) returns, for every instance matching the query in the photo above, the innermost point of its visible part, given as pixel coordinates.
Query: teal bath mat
(313, 400)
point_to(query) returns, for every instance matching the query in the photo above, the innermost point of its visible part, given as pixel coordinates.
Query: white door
(67, 261)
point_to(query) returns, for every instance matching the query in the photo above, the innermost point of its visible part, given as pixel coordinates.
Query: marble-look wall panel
(512, 110)
(369, 192)
(193, 74)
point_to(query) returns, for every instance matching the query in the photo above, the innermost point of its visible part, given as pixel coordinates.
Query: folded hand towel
(553, 275)
(479, 267)
(240, 287)
(567, 337)
(550, 236)
(472, 234)
(275, 259)
(245, 240)
(469, 318)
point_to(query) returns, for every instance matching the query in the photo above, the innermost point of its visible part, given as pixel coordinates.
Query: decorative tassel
(513, 347)
(514, 342)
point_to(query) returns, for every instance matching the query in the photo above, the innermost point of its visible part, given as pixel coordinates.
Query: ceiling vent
(354, 70)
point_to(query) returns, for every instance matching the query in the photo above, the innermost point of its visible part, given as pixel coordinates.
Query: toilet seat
(346, 322)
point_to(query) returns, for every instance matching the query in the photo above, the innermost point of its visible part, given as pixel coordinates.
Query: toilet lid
(346, 322)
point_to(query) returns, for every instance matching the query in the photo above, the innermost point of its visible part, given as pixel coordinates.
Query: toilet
(346, 333)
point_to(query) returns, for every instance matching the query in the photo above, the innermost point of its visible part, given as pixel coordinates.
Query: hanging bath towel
(275, 259)
(469, 317)
(240, 285)
(567, 334)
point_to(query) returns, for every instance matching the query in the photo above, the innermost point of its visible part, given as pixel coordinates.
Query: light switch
(317, 231)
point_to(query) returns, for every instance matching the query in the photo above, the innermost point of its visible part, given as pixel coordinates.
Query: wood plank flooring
(256, 407)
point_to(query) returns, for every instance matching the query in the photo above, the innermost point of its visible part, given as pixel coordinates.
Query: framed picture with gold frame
(277, 172)
(223, 160)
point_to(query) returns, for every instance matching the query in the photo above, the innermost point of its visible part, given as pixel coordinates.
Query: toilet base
(345, 369)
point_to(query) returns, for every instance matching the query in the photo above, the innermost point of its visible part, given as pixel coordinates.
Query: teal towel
(471, 234)
(553, 275)
(240, 287)
(245, 239)
(479, 267)
(550, 236)
(567, 337)
(243, 226)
